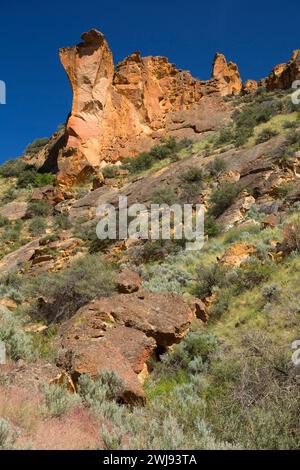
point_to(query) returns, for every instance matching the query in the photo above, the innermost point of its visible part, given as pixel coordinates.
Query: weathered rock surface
(237, 254)
(118, 112)
(121, 333)
(15, 260)
(14, 210)
(236, 212)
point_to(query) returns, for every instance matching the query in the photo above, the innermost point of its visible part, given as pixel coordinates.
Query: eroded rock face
(283, 75)
(120, 111)
(121, 333)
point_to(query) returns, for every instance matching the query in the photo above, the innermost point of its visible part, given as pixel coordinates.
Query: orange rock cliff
(119, 111)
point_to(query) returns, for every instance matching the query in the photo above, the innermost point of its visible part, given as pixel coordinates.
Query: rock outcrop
(120, 111)
(283, 75)
(226, 75)
(14, 261)
(121, 333)
(250, 86)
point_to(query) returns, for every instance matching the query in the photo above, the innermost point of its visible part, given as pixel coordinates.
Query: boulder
(128, 281)
(14, 210)
(121, 333)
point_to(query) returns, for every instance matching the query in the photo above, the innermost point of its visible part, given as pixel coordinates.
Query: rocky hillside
(140, 344)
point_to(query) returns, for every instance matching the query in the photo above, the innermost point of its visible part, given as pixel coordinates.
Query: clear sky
(256, 35)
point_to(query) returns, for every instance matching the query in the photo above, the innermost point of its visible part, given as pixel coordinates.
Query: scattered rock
(237, 254)
(128, 281)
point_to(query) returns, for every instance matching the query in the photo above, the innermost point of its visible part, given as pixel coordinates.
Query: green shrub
(62, 221)
(12, 231)
(271, 292)
(9, 195)
(18, 343)
(8, 436)
(252, 115)
(166, 278)
(27, 177)
(264, 135)
(43, 179)
(31, 178)
(191, 185)
(217, 167)
(3, 221)
(256, 399)
(192, 175)
(11, 287)
(208, 278)
(194, 348)
(211, 227)
(39, 208)
(12, 168)
(142, 162)
(290, 124)
(225, 136)
(110, 171)
(87, 278)
(222, 198)
(165, 196)
(108, 386)
(145, 160)
(58, 400)
(37, 226)
(250, 274)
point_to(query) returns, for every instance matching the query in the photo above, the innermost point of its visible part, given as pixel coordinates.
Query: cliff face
(120, 111)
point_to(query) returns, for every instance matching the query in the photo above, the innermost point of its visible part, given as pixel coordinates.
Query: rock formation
(120, 111)
(121, 333)
(283, 75)
(227, 76)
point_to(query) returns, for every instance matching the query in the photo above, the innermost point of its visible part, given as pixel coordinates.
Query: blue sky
(189, 33)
